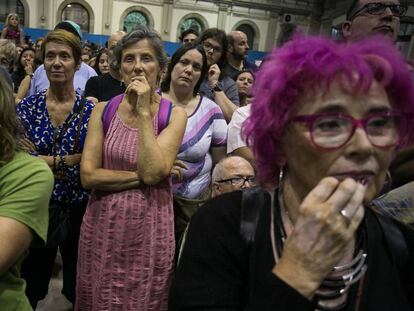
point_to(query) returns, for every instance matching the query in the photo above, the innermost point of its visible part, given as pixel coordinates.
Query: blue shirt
(40, 81)
(39, 129)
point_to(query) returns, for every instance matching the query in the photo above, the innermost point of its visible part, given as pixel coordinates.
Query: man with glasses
(218, 86)
(231, 174)
(365, 18)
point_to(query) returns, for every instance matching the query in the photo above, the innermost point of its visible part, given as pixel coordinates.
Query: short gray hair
(140, 33)
(7, 51)
(219, 169)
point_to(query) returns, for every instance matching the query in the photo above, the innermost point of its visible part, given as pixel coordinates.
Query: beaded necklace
(333, 287)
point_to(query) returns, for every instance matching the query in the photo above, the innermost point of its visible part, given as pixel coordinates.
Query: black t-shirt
(218, 271)
(104, 87)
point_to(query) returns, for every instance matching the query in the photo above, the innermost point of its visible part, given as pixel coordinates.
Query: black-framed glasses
(239, 181)
(207, 47)
(378, 8)
(333, 130)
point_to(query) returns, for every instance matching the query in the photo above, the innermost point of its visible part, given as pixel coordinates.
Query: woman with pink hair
(326, 122)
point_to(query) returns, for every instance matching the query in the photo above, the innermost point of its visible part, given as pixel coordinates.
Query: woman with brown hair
(55, 121)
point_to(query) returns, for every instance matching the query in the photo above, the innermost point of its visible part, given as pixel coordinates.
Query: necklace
(336, 285)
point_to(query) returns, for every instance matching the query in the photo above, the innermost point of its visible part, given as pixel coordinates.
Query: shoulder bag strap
(164, 114)
(110, 110)
(58, 134)
(395, 241)
(252, 203)
(81, 110)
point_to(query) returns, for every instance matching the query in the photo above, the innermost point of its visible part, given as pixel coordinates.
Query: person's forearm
(110, 180)
(151, 163)
(93, 99)
(226, 105)
(24, 87)
(15, 238)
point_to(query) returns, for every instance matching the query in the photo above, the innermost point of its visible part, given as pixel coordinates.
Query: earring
(281, 173)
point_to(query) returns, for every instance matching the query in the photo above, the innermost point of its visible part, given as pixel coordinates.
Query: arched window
(77, 13)
(249, 31)
(134, 19)
(11, 6)
(193, 23)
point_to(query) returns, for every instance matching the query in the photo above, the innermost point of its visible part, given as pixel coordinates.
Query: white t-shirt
(234, 138)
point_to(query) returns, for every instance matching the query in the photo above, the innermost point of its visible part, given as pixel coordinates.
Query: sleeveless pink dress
(126, 246)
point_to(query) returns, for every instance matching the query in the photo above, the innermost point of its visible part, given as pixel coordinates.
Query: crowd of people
(202, 182)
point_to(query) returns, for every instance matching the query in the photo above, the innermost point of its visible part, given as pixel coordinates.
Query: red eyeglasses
(334, 130)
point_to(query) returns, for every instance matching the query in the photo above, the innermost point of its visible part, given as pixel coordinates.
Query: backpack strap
(164, 114)
(253, 200)
(110, 110)
(395, 241)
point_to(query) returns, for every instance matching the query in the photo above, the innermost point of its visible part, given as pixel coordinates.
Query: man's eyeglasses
(378, 8)
(334, 130)
(207, 47)
(239, 181)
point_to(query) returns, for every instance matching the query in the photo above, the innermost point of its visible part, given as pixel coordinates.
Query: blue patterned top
(39, 129)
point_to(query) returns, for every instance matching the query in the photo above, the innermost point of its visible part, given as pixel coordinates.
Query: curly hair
(138, 34)
(9, 124)
(306, 64)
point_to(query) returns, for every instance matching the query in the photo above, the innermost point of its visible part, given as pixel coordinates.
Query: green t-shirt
(26, 184)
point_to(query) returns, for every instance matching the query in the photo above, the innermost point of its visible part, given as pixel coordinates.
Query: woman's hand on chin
(138, 95)
(321, 233)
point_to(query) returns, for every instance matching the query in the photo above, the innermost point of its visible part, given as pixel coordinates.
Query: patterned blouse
(39, 129)
(206, 128)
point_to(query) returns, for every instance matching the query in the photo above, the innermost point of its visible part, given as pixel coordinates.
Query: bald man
(108, 85)
(231, 174)
(237, 51)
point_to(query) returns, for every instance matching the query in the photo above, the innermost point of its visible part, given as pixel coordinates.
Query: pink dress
(126, 246)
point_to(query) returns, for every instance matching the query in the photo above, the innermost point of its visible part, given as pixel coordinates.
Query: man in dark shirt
(237, 54)
(108, 85)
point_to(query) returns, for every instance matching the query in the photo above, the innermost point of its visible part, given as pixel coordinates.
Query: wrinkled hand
(73, 159)
(177, 170)
(213, 74)
(321, 233)
(27, 145)
(138, 94)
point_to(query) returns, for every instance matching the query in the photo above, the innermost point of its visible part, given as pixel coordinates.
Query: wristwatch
(216, 88)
